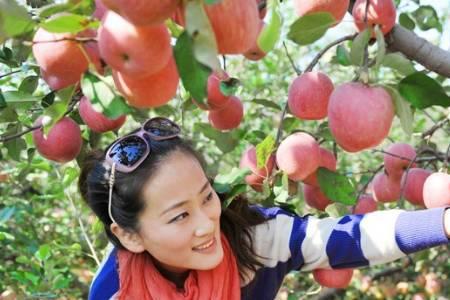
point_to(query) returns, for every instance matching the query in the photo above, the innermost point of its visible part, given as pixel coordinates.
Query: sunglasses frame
(140, 134)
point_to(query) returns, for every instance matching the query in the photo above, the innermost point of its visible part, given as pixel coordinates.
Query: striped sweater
(289, 242)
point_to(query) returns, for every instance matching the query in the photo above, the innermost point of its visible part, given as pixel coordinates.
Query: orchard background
(51, 244)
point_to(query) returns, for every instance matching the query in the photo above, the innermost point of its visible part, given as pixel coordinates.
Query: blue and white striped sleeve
(348, 241)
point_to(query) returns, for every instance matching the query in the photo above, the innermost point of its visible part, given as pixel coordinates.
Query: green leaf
(225, 141)
(60, 281)
(264, 151)
(99, 90)
(309, 28)
(290, 123)
(15, 147)
(20, 99)
(57, 110)
(48, 99)
(43, 253)
(336, 210)
(235, 191)
(403, 110)
(271, 32)
(193, 74)
(343, 56)
(324, 131)
(69, 23)
(406, 21)
(398, 62)
(14, 19)
(223, 183)
(29, 84)
(52, 9)
(423, 91)
(70, 174)
(175, 29)
(381, 46)
(6, 214)
(358, 46)
(2, 100)
(427, 18)
(8, 114)
(267, 103)
(203, 39)
(336, 187)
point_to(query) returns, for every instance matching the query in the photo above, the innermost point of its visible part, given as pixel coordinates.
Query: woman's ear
(130, 240)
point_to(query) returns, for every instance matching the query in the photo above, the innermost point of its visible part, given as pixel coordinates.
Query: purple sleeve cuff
(422, 229)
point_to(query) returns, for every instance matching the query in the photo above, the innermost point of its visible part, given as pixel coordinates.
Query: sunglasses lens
(128, 151)
(162, 127)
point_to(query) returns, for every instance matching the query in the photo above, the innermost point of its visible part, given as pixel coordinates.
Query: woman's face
(180, 225)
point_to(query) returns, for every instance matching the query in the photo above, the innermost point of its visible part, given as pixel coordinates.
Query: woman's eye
(179, 217)
(209, 197)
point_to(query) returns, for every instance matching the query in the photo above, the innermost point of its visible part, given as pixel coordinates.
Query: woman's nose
(205, 225)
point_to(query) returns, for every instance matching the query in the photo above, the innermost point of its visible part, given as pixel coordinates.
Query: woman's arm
(307, 243)
(447, 222)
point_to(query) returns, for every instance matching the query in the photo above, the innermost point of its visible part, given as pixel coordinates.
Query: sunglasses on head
(128, 152)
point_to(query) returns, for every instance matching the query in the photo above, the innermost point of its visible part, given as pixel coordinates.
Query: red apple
(228, 117)
(63, 142)
(255, 52)
(436, 190)
(100, 9)
(235, 24)
(381, 12)
(216, 99)
(315, 198)
(327, 160)
(385, 189)
(309, 95)
(150, 91)
(360, 116)
(337, 278)
(143, 12)
(366, 204)
(413, 182)
(131, 50)
(62, 62)
(97, 121)
(395, 165)
(298, 156)
(256, 178)
(262, 8)
(337, 8)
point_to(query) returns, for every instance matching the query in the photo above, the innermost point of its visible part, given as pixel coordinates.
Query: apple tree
(324, 107)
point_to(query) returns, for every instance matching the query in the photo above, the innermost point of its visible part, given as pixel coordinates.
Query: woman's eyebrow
(181, 203)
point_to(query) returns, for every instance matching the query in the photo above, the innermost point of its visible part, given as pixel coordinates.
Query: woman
(173, 239)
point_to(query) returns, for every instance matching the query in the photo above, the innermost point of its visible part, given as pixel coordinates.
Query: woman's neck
(177, 278)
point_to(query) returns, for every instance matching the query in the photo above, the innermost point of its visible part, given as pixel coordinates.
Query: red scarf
(139, 279)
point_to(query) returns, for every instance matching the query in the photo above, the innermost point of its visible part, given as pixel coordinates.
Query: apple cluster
(135, 44)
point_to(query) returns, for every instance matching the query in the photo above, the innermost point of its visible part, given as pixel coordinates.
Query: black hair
(236, 220)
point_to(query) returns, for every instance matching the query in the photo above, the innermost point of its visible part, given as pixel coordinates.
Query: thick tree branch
(416, 48)
(420, 50)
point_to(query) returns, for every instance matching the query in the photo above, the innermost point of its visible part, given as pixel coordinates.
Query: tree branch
(420, 50)
(326, 48)
(10, 73)
(416, 48)
(19, 134)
